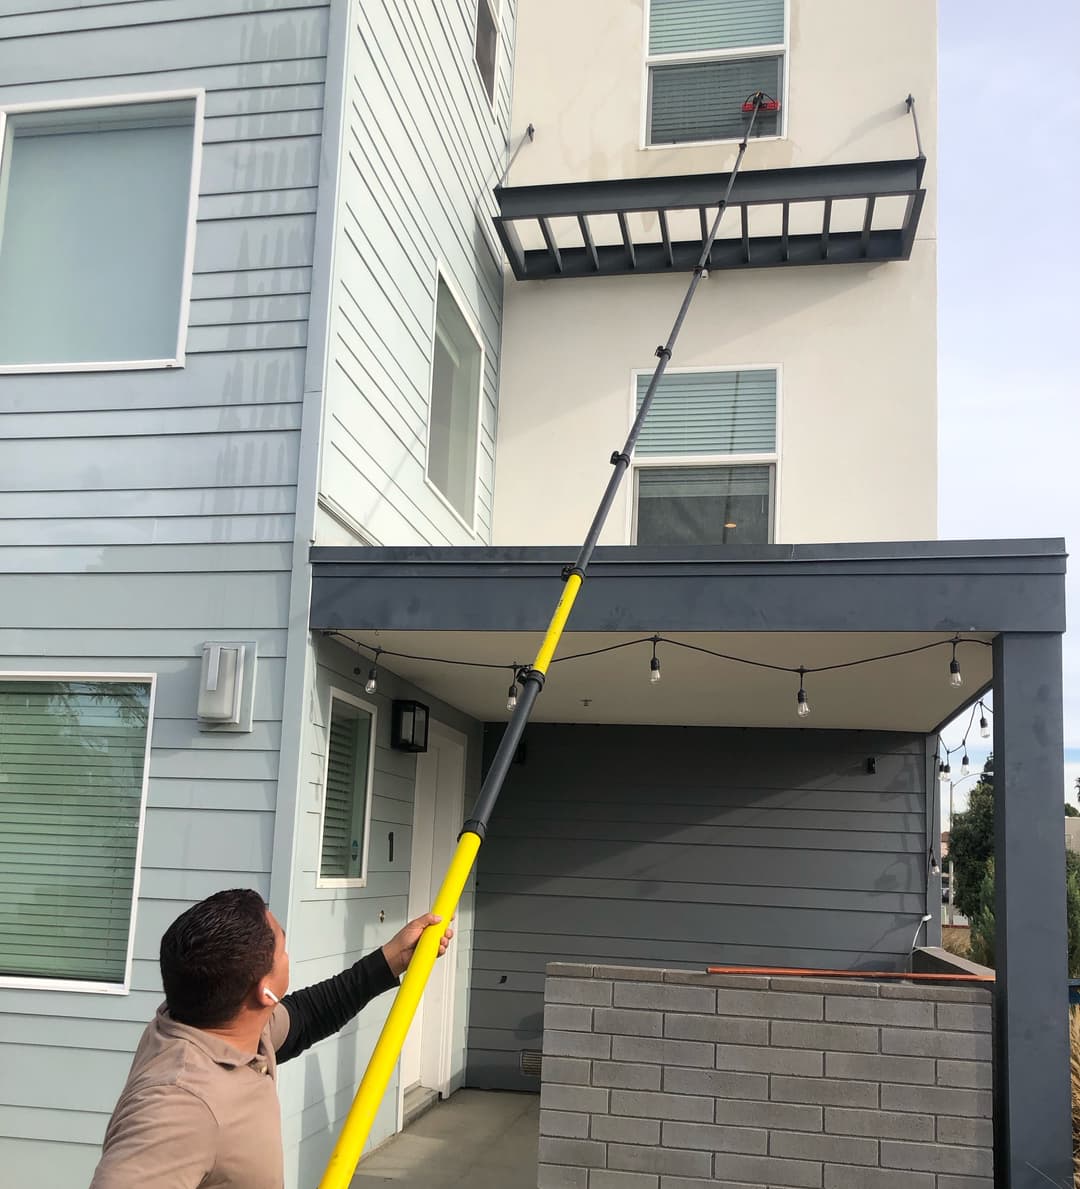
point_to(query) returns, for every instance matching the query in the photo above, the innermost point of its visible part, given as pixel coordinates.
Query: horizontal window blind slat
(688, 26)
(691, 101)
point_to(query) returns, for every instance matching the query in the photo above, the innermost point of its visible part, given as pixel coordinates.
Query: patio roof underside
(867, 212)
(812, 606)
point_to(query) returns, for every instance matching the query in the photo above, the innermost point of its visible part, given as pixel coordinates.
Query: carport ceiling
(905, 693)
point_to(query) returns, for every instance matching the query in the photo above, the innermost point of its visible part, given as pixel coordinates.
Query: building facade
(311, 357)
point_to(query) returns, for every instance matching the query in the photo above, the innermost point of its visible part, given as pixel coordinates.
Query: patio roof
(866, 212)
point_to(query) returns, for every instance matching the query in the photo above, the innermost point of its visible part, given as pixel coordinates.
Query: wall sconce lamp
(408, 725)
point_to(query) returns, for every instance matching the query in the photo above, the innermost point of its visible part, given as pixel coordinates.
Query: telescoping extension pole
(350, 1145)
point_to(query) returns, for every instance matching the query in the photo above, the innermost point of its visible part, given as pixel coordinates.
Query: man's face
(278, 978)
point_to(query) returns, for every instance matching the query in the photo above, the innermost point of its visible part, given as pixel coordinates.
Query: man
(200, 1109)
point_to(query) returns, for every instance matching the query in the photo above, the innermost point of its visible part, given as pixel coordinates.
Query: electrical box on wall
(226, 686)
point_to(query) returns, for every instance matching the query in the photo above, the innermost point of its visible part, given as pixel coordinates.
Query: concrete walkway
(483, 1139)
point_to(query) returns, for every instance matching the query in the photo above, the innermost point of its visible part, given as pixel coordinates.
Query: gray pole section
(1032, 1117)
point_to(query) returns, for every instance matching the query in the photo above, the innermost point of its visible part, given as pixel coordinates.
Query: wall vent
(529, 1061)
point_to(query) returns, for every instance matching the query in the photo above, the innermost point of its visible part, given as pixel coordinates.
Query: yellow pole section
(558, 622)
(350, 1145)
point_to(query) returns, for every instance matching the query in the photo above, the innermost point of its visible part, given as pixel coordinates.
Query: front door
(437, 817)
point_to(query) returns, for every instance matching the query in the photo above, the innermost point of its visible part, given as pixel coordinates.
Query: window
(453, 422)
(705, 463)
(73, 754)
(346, 791)
(704, 58)
(487, 43)
(95, 219)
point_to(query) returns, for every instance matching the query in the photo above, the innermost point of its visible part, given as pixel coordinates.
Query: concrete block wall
(657, 1079)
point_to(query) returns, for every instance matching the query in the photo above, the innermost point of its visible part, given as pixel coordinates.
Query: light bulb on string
(802, 706)
(372, 683)
(935, 869)
(984, 726)
(955, 678)
(511, 696)
(654, 664)
(946, 773)
(965, 765)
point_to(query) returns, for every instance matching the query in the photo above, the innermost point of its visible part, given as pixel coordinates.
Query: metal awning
(824, 214)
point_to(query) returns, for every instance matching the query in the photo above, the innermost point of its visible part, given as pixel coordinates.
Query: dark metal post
(1032, 1119)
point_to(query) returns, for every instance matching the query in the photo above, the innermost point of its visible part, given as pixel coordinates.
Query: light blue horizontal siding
(423, 149)
(142, 513)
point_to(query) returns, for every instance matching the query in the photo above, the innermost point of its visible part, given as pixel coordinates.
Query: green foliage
(981, 947)
(971, 844)
(1072, 909)
(1071, 810)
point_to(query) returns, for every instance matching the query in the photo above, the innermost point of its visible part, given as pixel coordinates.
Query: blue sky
(1009, 333)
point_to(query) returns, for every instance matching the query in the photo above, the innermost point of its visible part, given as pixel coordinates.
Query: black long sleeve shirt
(321, 1010)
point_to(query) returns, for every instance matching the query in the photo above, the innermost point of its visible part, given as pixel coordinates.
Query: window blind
(72, 757)
(93, 233)
(710, 413)
(687, 26)
(703, 100)
(346, 785)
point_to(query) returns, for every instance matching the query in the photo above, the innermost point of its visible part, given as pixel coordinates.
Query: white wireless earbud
(270, 995)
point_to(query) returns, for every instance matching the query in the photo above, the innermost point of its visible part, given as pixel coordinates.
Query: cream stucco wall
(855, 345)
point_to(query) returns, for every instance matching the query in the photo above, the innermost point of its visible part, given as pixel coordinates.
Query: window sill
(79, 986)
(708, 144)
(104, 366)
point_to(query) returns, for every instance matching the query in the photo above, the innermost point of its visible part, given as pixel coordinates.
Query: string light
(802, 706)
(984, 726)
(965, 766)
(512, 692)
(934, 868)
(372, 683)
(654, 664)
(955, 678)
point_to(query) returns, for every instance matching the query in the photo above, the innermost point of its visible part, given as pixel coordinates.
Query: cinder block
(959, 1046)
(768, 1170)
(695, 1054)
(948, 1182)
(603, 1179)
(632, 974)
(707, 1137)
(750, 982)
(730, 1029)
(973, 1132)
(569, 970)
(970, 1162)
(826, 986)
(870, 1068)
(937, 1100)
(628, 1023)
(972, 1075)
(625, 1076)
(573, 1071)
(935, 994)
(590, 1100)
(842, 1038)
(616, 1129)
(964, 1017)
(565, 1124)
(590, 992)
(560, 1176)
(576, 1044)
(837, 1149)
(827, 1091)
(584, 1153)
(718, 1083)
(647, 1105)
(879, 1124)
(777, 1005)
(843, 1009)
(674, 1161)
(781, 1115)
(664, 997)
(850, 1176)
(568, 1017)
(749, 1059)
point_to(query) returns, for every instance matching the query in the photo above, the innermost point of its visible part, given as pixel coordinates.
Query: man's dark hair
(213, 954)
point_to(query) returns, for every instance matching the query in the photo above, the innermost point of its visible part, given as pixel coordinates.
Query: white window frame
(84, 986)
(443, 274)
(359, 881)
(495, 8)
(767, 458)
(198, 94)
(756, 51)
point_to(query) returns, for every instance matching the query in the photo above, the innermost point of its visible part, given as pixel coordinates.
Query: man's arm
(321, 1010)
(163, 1136)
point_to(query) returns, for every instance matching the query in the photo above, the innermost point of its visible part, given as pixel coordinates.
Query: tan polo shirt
(196, 1113)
